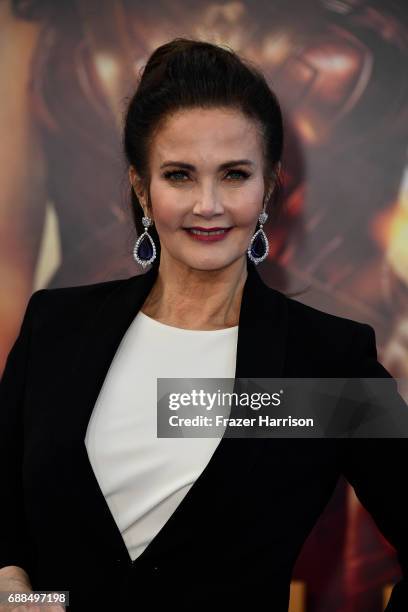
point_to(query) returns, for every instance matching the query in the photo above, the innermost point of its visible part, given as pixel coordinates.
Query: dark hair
(185, 73)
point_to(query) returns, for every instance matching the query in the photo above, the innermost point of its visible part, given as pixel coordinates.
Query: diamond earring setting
(259, 246)
(144, 251)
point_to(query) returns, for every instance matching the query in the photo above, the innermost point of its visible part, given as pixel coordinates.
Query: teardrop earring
(144, 251)
(259, 246)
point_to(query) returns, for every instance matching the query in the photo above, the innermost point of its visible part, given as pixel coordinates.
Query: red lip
(208, 238)
(207, 229)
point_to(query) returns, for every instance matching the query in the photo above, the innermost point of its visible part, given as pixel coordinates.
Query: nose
(208, 203)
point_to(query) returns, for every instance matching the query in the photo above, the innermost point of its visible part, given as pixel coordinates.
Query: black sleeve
(376, 469)
(15, 546)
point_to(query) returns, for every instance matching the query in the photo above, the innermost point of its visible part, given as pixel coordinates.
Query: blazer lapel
(260, 354)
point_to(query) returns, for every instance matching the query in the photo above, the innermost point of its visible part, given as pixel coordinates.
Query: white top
(144, 478)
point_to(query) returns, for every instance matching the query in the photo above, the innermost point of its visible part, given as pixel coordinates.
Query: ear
(132, 175)
(271, 183)
(277, 172)
(136, 183)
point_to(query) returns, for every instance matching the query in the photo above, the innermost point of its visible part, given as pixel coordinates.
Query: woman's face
(206, 172)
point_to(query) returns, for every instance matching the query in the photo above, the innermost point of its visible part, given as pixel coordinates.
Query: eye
(174, 175)
(243, 175)
(170, 175)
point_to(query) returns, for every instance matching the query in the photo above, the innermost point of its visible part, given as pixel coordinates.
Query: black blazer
(236, 535)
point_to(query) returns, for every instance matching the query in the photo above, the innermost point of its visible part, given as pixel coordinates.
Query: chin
(210, 265)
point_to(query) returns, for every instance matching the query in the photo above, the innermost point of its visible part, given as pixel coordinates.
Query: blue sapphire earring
(259, 246)
(144, 251)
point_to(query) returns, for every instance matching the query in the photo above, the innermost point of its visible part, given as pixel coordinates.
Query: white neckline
(187, 331)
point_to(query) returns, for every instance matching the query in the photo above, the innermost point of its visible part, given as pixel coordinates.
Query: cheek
(168, 212)
(246, 214)
(248, 204)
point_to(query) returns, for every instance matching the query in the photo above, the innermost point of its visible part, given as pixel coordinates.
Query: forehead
(206, 134)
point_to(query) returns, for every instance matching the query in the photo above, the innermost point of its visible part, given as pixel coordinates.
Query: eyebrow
(228, 164)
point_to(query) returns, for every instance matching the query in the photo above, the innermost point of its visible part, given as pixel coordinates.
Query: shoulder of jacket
(81, 290)
(46, 302)
(312, 319)
(337, 344)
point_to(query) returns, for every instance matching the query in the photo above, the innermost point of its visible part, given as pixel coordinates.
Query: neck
(197, 299)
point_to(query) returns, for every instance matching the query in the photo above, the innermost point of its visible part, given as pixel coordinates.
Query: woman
(97, 504)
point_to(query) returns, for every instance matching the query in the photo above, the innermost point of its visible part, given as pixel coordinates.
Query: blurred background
(339, 68)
